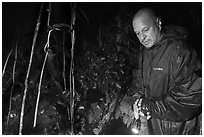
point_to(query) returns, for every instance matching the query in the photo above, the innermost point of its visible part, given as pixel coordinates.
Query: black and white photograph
(101, 68)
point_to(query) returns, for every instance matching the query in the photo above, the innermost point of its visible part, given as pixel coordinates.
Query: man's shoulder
(176, 42)
(176, 47)
(175, 34)
(177, 31)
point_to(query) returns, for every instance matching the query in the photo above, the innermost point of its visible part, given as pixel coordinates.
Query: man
(171, 97)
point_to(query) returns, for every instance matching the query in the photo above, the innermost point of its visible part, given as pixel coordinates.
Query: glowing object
(135, 130)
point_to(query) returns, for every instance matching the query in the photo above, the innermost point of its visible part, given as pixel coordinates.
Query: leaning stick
(28, 71)
(6, 62)
(39, 86)
(46, 49)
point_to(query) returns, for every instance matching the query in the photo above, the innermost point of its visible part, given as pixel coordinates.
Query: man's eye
(146, 29)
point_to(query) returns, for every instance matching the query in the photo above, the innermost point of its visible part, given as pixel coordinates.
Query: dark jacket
(172, 90)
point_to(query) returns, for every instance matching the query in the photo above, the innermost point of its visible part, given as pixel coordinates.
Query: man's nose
(143, 37)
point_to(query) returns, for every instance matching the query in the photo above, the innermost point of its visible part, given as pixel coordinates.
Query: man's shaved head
(146, 12)
(147, 27)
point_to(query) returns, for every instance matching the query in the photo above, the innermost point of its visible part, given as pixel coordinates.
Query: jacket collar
(170, 31)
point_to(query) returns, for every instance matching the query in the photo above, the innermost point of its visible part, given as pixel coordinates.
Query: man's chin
(147, 46)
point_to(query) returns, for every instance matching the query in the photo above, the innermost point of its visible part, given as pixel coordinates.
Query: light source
(135, 130)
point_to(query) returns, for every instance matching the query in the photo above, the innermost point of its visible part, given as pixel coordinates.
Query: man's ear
(159, 23)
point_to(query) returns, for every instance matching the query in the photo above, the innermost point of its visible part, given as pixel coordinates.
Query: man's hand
(137, 110)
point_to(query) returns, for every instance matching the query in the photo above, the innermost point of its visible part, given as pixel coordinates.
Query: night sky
(20, 18)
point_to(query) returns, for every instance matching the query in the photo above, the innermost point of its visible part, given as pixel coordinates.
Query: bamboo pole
(72, 90)
(64, 72)
(41, 76)
(14, 71)
(28, 71)
(64, 63)
(46, 49)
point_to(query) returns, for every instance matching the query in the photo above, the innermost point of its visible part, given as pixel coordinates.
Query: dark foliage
(102, 76)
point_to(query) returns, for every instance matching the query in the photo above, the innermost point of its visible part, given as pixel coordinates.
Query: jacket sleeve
(183, 100)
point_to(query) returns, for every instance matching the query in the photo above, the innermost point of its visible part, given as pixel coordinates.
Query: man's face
(146, 30)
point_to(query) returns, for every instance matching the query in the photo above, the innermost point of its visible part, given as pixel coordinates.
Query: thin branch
(14, 43)
(14, 71)
(49, 14)
(7, 85)
(84, 14)
(6, 62)
(28, 71)
(64, 71)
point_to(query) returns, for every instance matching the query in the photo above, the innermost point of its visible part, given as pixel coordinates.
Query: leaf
(130, 118)
(117, 113)
(96, 131)
(125, 119)
(90, 117)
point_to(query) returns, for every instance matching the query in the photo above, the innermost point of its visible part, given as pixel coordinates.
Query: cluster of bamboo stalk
(46, 49)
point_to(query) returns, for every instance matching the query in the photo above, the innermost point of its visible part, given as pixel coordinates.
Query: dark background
(20, 18)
